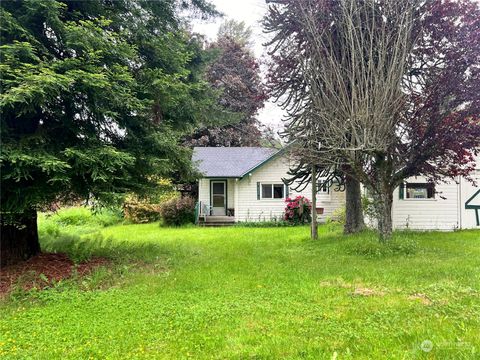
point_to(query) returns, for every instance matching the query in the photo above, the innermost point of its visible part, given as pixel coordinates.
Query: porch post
(235, 198)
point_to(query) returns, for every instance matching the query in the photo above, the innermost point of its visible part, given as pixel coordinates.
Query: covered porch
(216, 203)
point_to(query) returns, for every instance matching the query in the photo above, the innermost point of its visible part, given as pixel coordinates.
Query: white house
(245, 184)
(447, 206)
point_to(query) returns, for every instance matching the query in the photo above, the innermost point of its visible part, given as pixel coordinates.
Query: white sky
(251, 12)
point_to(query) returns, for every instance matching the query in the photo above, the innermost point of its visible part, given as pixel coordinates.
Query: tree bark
(19, 238)
(383, 206)
(314, 225)
(354, 212)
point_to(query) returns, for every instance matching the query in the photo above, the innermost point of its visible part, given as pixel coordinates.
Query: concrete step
(215, 224)
(220, 219)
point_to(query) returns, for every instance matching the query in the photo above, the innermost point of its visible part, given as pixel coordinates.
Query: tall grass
(254, 293)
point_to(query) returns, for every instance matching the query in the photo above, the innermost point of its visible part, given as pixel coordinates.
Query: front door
(219, 197)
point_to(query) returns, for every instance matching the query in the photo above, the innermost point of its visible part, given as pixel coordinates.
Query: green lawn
(260, 293)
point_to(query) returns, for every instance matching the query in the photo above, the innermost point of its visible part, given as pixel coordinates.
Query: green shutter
(286, 191)
(258, 191)
(401, 191)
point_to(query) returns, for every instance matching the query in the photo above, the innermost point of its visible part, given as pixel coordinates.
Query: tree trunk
(314, 225)
(383, 207)
(354, 212)
(19, 238)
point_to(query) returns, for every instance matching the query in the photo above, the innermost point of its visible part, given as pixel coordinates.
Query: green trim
(467, 206)
(401, 191)
(197, 211)
(224, 180)
(258, 190)
(267, 160)
(474, 207)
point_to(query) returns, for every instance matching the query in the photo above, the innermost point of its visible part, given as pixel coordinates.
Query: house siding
(249, 208)
(439, 214)
(445, 212)
(204, 191)
(428, 214)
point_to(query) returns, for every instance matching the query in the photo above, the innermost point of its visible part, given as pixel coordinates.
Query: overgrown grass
(76, 231)
(263, 293)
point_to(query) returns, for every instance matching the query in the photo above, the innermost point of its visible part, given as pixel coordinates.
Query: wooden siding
(438, 214)
(249, 208)
(420, 214)
(204, 191)
(428, 214)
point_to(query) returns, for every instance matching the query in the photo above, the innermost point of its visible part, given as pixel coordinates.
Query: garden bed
(43, 269)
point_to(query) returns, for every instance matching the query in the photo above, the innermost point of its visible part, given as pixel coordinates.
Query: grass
(260, 293)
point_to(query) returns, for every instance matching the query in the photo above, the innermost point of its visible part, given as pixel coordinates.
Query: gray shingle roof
(229, 161)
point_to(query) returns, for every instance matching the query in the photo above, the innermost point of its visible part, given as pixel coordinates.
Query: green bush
(146, 209)
(179, 211)
(72, 216)
(338, 216)
(139, 212)
(367, 207)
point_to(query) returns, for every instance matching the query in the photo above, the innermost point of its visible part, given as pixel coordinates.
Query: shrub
(147, 208)
(367, 206)
(73, 216)
(298, 210)
(338, 216)
(178, 211)
(139, 212)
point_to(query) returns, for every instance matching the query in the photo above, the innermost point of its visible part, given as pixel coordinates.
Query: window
(278, 191)
(273, 191)
(323, 188)
(266, 191)
(420, 191)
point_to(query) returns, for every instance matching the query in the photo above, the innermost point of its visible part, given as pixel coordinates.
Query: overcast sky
(251, 12)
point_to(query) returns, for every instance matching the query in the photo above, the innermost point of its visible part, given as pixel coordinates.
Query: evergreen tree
(95, 96)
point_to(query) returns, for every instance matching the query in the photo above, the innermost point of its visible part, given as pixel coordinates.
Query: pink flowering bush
(298, 210)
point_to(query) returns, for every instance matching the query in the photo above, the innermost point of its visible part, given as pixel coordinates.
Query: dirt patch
(360, 291)
(420, 297)
(43, 269)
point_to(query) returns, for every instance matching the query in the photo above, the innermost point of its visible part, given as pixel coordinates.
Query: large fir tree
(94, 97)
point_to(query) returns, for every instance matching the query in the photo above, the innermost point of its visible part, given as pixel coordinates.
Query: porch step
(215, 224)
(220, 219)
(216, 220)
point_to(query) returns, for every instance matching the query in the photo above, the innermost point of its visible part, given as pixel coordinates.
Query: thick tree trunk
(19, 238)
(314, 225)
(383, 207)
(354, 212)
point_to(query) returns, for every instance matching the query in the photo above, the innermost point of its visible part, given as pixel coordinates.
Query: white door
(219, 197)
